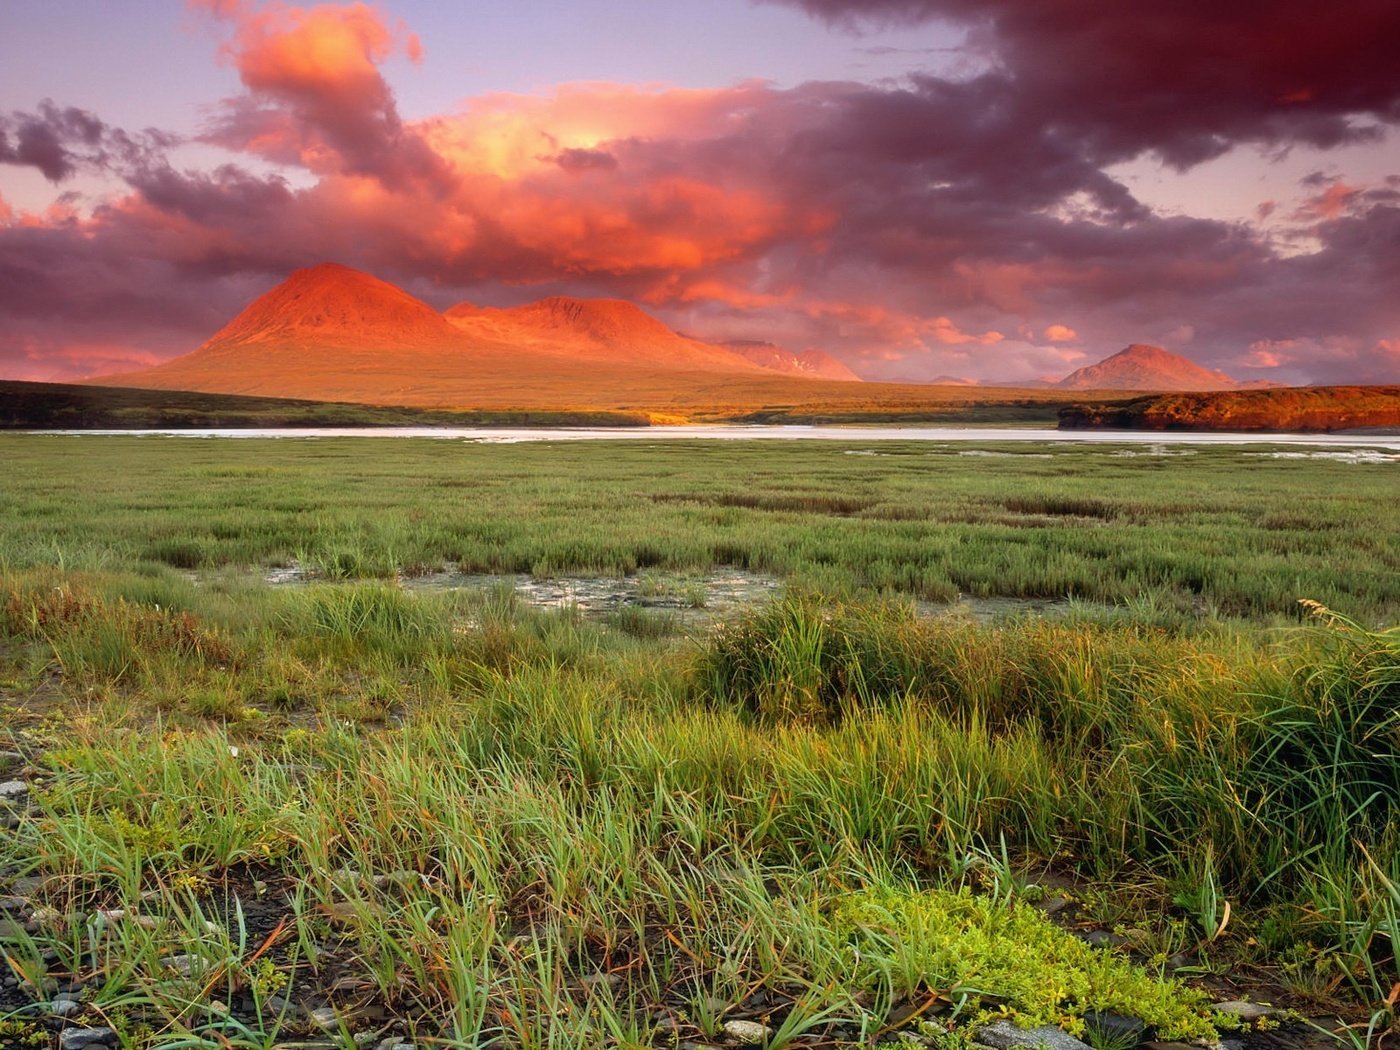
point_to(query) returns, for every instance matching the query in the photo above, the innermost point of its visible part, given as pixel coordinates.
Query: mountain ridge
(816, 364)
(1141, 366)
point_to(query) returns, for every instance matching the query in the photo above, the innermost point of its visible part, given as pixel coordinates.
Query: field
(569, 400)
(350, 806)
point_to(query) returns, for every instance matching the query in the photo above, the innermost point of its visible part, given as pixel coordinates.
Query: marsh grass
(500, 823)
(572, 824)
(1215, 532)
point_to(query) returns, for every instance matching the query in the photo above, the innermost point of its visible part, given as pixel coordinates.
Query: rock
(181, 964)
(324, 1017)
(1054, 905)
(13, 790)
(1004, 1035)
(10, 760)
(1245, 1011)
(1114, 1028)
(1168, 1046)
(394, 1042)
(65, 1007)
(1100, 938)
(10, 929)
(78, 1038)
(12, 905)
(746, 1033)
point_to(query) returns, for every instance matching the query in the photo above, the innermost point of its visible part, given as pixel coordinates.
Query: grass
(477, 822)
(66, 406)
(1224, 531)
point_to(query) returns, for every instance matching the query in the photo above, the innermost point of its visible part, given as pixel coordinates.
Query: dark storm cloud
(1184, 78)
(60, 141)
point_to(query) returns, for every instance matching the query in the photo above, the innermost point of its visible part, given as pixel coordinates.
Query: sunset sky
(992, 189)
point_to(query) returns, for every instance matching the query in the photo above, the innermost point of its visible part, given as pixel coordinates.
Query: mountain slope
(309, 337)
(330, 333)
(814, 364)
(1143, 367)
(602, 330)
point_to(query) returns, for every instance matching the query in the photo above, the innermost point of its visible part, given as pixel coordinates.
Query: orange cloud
(1058, 333)
(316, 96)
(1330, 204)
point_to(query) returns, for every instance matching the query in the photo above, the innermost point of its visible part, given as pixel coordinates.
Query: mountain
(333, 334)
(814, 364)
(609, 331)
(1143, 367)
(335, 304)
(316, 335)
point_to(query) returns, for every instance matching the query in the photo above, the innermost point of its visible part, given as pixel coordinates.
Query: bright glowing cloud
(911, 223)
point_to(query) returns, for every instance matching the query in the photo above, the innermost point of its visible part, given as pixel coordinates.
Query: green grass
(831, 814)
(66, 406)
(1221, 531)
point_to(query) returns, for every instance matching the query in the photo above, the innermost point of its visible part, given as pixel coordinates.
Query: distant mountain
(1143, 367)
(333, 303)
(605, 330)
(334, 333)
(815, 364)
(330, 333)
(946, 380)
(314, 336)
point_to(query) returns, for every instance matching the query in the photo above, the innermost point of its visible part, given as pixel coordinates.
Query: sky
(1000, 190)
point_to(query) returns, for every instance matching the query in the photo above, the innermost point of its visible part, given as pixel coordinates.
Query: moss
(20, 1034)
(1014, 960)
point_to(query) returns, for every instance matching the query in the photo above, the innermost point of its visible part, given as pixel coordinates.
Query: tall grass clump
(1329, 750)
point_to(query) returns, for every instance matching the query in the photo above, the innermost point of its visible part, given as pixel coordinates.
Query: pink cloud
(316, 96)
(916, 222)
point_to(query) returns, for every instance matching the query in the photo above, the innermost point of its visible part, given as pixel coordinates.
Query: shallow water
(689, 597)
(514, 435)
(709, 594)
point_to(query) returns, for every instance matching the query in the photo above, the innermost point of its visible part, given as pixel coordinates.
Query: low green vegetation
(66, 406)
(1213, 531)
(447, 816)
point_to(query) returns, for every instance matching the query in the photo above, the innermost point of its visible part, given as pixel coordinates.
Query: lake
(511, 435)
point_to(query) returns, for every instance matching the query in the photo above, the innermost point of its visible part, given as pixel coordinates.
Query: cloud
(905, 226)
(61, 141)
(316, 97)
(1185, 79)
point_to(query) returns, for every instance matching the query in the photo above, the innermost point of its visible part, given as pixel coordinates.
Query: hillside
(330, 333)
(1296, 409)
(606, 331)
(813, 364)
(1143, 367)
